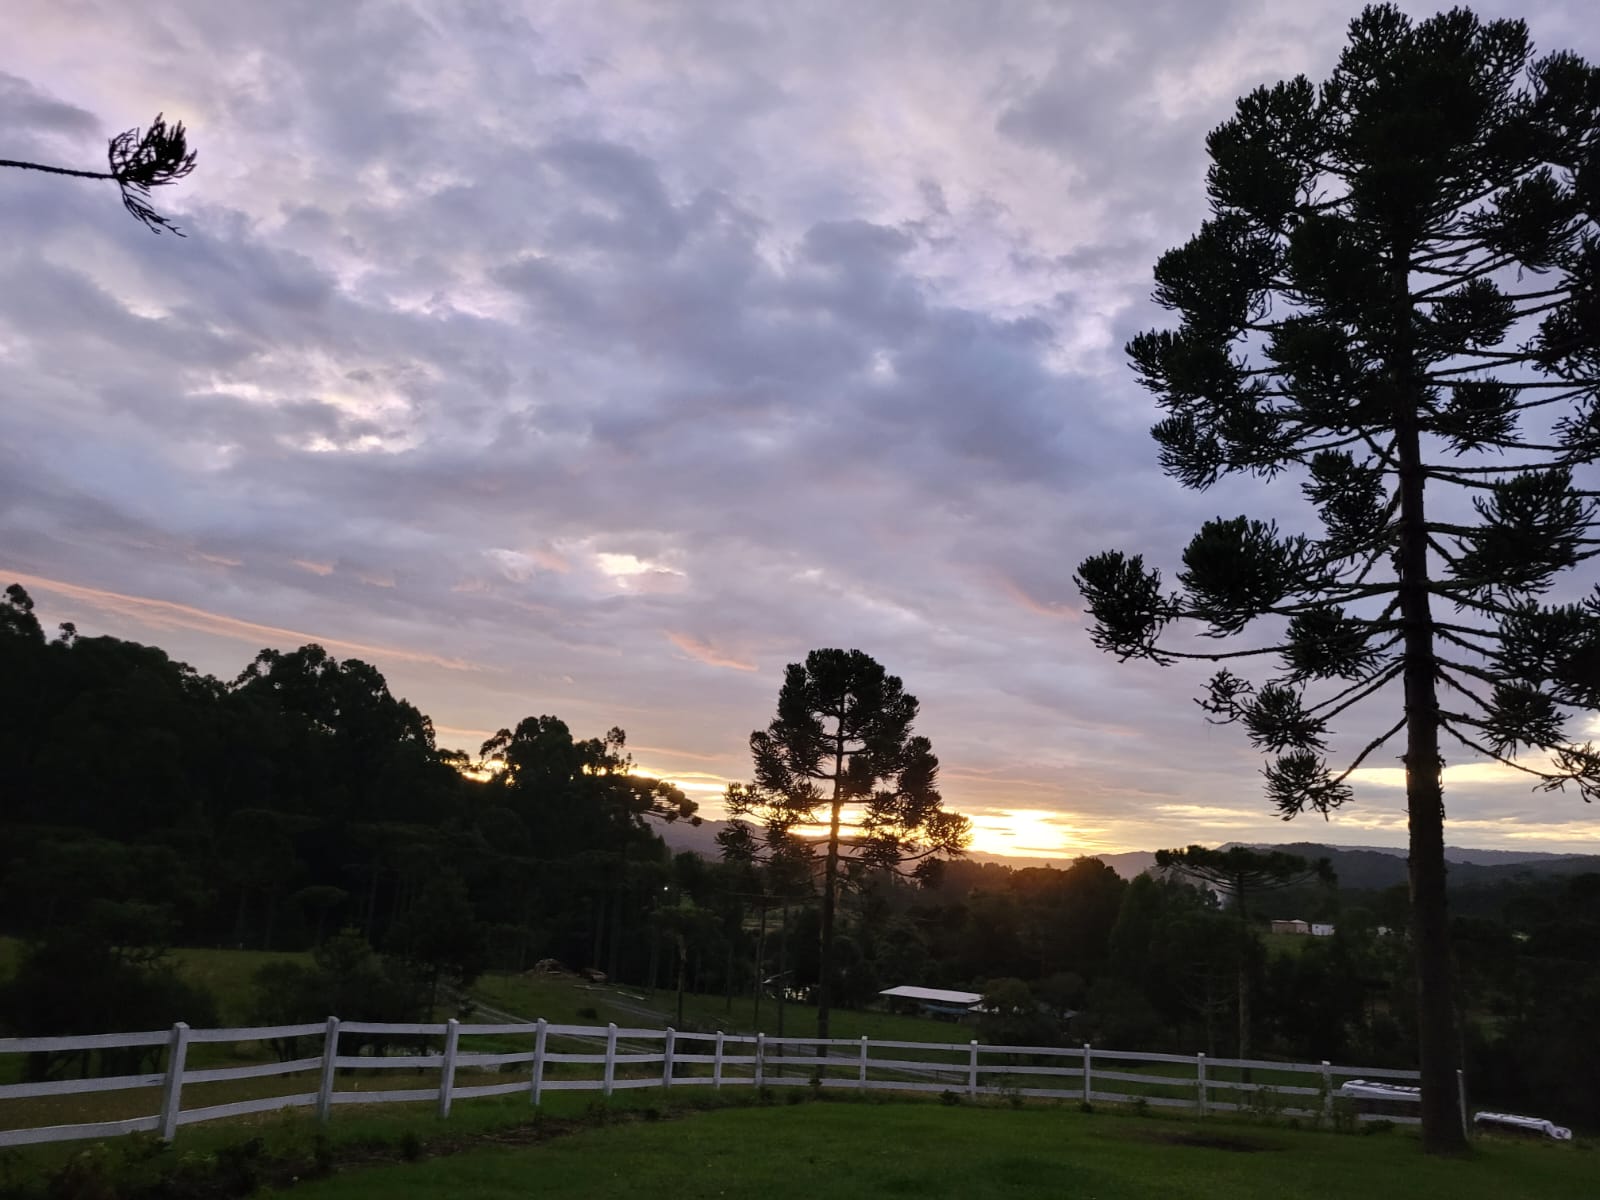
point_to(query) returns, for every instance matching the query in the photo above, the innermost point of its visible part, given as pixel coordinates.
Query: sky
(599, 359)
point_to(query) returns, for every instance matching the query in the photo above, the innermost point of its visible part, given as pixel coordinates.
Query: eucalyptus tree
(841, 738)
(1395, 304)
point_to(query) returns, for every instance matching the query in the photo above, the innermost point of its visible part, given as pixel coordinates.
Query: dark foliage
(1393, 304)
(137, 161)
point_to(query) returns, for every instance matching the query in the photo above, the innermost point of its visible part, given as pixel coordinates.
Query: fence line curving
(664, 1058)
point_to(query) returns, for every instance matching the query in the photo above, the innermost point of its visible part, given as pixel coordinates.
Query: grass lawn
(227, 975)
(559, 997)
(1289, 945)
(353, 1125)
(926, 1150)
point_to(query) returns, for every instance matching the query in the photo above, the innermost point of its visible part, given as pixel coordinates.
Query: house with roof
(938, 1002)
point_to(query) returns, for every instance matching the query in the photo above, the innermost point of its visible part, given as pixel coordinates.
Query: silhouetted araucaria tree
(842, 738)
(138, 161)
(1395, 304)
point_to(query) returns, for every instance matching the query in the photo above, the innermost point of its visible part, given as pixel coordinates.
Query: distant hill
(1456, 854)
(701, 838)
(1377, 867)
(1358, 867)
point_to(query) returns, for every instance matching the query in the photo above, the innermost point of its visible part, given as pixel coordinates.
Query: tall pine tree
(1395, 304)
(841, 738)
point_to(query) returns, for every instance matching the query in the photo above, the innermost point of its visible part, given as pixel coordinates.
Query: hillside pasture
(926, 1150)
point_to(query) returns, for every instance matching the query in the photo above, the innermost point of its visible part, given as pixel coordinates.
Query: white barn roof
(932, 995)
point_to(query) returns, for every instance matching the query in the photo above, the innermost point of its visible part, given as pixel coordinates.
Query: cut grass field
(562, 999)
(927, 1150)
(228, 975)
(559, 997)
(841, 1149)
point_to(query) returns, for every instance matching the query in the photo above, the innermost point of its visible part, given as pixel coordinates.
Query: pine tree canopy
(1396, 295)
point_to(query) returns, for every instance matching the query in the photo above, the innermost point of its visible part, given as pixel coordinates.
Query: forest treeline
(302, 806)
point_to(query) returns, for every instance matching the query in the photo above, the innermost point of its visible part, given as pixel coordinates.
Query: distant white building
(1321, 930)
(941, 1001)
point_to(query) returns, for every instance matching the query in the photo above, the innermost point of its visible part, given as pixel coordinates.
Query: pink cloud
(707, 653)
(168, 614)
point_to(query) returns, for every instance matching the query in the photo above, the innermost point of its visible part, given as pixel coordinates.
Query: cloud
(705, 652)
(599, 345)
(166, 615)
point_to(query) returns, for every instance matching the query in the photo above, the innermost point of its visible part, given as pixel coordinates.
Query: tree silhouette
(1242, 874)
(842, 736)
(1396, 300)
(138, 161)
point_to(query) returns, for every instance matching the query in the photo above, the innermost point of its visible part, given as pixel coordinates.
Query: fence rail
(641, 1058)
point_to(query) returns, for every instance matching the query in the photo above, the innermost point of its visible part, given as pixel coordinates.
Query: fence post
(447, 1069)
(716, 1066)
(863, 1060)
(1200, 1081)
(761, 1049)
(666, 1057)
(1088, 1073)
(1461, 1099)
(611, 1055)
(330, 1057)
(172, 1085)
(1327, 1091)
(536, 1084)
(972, 1069)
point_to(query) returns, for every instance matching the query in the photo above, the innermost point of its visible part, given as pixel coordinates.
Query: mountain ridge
(1356, 866)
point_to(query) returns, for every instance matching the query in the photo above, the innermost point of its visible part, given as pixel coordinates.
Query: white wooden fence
(631, 1058)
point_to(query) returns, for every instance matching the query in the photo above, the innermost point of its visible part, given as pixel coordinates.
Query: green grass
(353, 1125)
(558, 998)
(1289, 945)
(925, 1150)
(227, 975)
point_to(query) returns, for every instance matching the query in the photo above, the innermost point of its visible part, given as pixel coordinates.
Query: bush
(132, 988)
(346, 978)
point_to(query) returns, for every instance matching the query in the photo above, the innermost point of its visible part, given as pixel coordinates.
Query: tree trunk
(683, 959)
(614, 960)
(1430, 932)
(761, 965)
(1244, 1011)
(372, 901)
(272, 918)
(655, 956)
(783, 968)
(830, 884)
(1239, 894)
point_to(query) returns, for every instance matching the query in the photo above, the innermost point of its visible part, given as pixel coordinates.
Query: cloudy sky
(601, 358)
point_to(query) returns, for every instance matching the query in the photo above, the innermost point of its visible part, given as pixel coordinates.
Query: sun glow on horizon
(686, 781)
(1032, 833)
